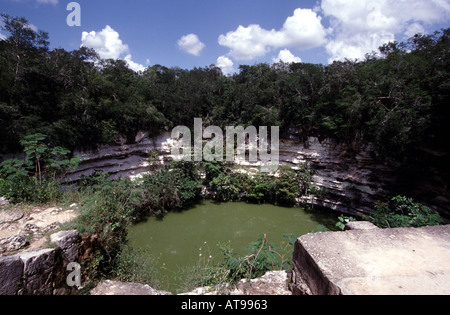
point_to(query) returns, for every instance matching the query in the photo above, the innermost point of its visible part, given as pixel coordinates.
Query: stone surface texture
(374, 262)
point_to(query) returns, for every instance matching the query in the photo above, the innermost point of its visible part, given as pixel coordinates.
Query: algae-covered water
(181, 239)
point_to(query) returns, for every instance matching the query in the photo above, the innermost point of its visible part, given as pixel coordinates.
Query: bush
(226, 188)
(33, 179)
(262, 189)
(106, 211)
(403, 212)
(287, 187)
(172, 187)
(213, 169)
(263, 256)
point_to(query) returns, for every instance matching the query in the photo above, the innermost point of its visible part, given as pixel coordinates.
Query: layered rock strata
(352, 182)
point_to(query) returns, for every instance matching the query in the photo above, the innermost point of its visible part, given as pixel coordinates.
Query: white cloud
(191, 44)
(226, 64)
(108, 45)
(413, 29)
(286, 56)
(303, 30)
(54, 2)
(359, 27)
(133, 65)
(2, 37)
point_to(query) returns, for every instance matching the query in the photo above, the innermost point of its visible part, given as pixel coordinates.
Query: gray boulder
(38, 271)
(69, 242)
(11, 269)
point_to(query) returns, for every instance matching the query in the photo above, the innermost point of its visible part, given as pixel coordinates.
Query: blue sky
(198, 33)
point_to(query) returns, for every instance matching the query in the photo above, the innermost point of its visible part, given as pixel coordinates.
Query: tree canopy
(395, 100)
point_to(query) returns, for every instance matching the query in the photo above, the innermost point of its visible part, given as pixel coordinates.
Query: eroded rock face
(12, 243)
(127, 160)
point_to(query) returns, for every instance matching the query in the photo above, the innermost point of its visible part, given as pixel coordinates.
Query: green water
(182, 238)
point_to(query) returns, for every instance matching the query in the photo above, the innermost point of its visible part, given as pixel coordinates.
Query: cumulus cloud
(133, 65)
(359, 27)
(191, 44)
(286, 56)
(108, 45)
(226, 64)
(303, 30)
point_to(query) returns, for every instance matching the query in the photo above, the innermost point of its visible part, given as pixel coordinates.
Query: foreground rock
(43, 271)
(3, 202)
(272, 283)
(109, 287)
(373, 262)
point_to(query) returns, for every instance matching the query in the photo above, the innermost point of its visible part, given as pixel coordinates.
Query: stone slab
(8, 216)
(413, 261)
(109, 287)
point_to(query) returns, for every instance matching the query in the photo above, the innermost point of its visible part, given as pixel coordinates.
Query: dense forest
(396, 99)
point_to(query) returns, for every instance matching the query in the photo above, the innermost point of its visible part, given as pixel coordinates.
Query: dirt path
(29, 228)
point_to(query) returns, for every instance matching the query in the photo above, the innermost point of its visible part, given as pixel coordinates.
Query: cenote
(182, 238)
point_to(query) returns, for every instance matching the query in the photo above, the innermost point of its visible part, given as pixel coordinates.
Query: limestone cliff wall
(353, 181)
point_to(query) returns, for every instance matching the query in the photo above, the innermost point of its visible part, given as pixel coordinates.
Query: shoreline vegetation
(54, 101)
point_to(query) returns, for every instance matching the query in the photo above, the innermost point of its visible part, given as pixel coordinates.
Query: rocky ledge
(272, 283)
(370, 261)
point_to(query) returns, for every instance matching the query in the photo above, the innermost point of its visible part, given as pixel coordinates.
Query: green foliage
(403, 212)
(263, 256)
(396, 102)
(34, 178)
(172, 187)
(283, 189)
(106, 211)
(262, 189)
(213, 169)
(226, 188)
(287, 187)
(343, 220)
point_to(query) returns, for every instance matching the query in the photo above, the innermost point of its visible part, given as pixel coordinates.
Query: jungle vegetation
(395, 99)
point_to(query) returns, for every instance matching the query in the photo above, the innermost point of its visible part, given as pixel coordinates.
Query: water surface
(182, 238)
